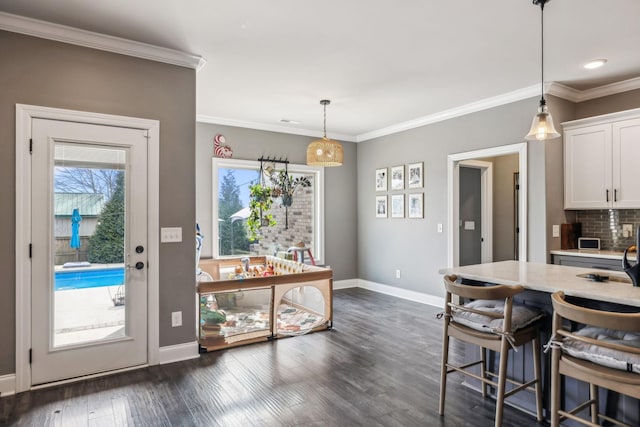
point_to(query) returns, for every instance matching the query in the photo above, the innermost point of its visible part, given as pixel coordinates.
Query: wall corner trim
(179, 352)
(7, 385)
(65, 34)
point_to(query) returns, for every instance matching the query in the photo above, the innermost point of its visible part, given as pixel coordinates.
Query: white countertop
(594, 254)
(551, 278)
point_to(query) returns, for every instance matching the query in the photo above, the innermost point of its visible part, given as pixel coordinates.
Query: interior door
(89, 258)
(470, 202)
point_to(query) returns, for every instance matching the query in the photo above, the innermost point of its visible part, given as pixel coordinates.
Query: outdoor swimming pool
(80, 279)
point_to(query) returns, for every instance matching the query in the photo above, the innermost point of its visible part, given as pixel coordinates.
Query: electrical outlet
(176, 319)
(627, 230)
(170, 234)
(555, 231)
(439, 228)
(397, 274)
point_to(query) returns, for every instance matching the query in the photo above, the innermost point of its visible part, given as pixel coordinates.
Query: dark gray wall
(340, 187)
(47, 73)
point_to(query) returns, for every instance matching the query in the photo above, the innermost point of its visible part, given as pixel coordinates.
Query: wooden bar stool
(603, 353)
(492, 321)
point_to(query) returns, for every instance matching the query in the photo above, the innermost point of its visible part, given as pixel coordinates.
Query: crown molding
(451, 113)
(564, 92)
(610, 89)
(202, 118)
(62, 33)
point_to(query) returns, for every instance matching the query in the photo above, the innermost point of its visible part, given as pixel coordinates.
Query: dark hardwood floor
(378, 367)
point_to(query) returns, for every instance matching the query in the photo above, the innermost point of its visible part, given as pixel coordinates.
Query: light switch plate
(170, 234)
(176, 319)
(555, 231)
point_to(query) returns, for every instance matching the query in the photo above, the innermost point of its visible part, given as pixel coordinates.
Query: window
(303, 221)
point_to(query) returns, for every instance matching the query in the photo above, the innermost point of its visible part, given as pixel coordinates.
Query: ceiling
(381, 63)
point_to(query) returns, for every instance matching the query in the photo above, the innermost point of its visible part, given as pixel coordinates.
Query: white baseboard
(7, 385)
(402, 293)
(344, 284)
(176, 353)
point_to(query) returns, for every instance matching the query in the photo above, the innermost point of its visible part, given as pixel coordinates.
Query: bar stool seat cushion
(604, 356)
(521, 316)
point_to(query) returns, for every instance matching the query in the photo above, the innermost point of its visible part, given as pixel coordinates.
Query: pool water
(80, 279)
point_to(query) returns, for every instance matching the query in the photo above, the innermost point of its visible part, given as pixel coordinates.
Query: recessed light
(596, 63)
(291, 122)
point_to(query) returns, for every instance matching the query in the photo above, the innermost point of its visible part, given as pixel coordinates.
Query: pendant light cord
(325, 120)
(542, 100)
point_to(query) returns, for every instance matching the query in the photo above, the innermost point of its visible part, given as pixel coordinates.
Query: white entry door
(89, 249)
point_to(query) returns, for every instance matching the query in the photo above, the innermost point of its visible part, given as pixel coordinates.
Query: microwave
(591, 243)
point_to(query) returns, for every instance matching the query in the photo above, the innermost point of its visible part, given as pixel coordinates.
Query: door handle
(139, 265)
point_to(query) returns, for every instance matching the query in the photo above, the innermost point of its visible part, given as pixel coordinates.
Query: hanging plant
(260, 201)
(285, 185)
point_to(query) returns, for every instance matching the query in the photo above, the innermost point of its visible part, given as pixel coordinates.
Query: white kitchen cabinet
(602, 158)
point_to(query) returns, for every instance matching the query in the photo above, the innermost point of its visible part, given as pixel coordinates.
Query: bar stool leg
(593, 395)
(443, 368)
(483, 366)
(555, 387)
(538, 376)
(502, 379)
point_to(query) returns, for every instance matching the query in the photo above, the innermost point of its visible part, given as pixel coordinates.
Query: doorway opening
(454, 163)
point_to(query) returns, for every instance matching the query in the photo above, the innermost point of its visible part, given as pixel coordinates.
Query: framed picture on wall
(397, 206)
(397, 178)
(415, 175)
(381, 206)
(381, 179)
(416, 205)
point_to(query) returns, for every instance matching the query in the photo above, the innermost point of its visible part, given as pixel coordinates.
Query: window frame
(318, 201)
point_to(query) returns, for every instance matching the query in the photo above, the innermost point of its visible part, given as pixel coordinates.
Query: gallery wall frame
(397, 206)
(415, 203)
(381, 179)
(381, 207)
(415, 177)
(397, 177)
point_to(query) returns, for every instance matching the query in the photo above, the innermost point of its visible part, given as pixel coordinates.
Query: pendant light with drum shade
(542, 126)
(325, 152)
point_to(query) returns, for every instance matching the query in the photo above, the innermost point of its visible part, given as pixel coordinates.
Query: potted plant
(285, 185)
(260, 202)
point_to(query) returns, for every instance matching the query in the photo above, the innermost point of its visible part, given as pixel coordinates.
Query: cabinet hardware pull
(607, 194)
(615, 195)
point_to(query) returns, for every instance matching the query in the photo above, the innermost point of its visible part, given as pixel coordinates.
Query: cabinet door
(626, 164)
(587, 168)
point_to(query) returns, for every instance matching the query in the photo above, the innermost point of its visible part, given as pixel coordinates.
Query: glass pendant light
(542, 127)
(325, 152)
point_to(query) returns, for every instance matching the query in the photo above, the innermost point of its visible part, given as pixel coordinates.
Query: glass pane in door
(88, 244)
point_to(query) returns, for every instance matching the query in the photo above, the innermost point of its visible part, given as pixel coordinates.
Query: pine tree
(106, 246)
(228, 204)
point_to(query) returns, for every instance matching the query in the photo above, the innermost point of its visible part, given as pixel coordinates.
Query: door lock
(139, 265)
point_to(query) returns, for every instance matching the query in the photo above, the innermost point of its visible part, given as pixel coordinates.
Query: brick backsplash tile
(607, 226)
